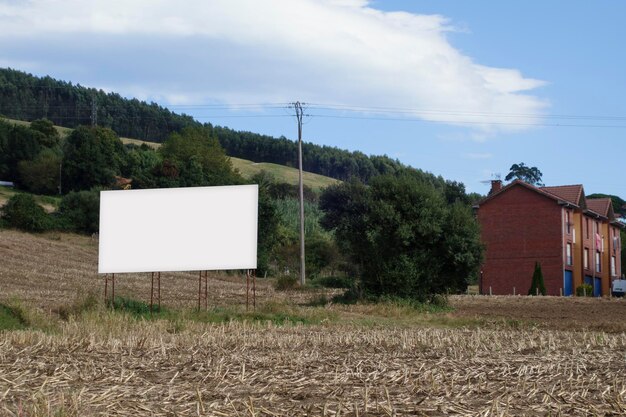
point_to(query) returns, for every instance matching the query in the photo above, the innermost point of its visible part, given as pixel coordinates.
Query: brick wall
(519, 227)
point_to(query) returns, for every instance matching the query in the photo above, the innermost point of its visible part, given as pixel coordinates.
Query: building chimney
(496, 185)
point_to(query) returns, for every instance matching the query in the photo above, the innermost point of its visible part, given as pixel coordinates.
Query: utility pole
(298, 108)
(61, 177)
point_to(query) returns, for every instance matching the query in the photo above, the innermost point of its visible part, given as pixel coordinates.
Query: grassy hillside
(247, 168)
(49, 203)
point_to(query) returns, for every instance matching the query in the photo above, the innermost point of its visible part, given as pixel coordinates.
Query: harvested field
(49, 270)
(108, 366)
(500, 356)
(562, 313)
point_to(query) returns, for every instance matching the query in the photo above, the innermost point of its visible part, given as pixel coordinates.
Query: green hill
(247, 168)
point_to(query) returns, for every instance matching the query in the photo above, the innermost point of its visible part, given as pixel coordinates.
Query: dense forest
(27, 97)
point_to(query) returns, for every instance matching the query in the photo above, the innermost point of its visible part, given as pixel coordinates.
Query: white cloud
(232, 51)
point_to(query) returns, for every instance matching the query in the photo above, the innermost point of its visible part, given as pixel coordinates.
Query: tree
(537, 283)
(80, 211)
(530, 175)
(199, 158)
(41, 175)
(404, 238)
(622, 235)
(92, 156)
(21, 144)
(267, 231)
(51, 137)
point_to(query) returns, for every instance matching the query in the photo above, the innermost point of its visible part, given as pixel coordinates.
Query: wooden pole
(298, 108)
(199, 288)
(151, 291)
(206, 290)
(247, 289)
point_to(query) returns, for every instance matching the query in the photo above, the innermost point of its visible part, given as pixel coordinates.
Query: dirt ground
(490, 356)
(562, 313)
(54, 269)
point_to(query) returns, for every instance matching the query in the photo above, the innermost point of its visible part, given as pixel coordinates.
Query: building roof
(599, 205)
(122, 181)
(571, 193)
(541, 191)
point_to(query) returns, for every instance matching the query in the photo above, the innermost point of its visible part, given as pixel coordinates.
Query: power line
(419, 115)
(355, 108)
(406, 119)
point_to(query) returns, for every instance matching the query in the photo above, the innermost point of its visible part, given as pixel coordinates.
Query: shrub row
(78, 212)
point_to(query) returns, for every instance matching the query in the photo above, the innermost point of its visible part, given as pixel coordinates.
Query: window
(587, 228)
(567, 224)
(586, 259)
(598, 263)
(569, 254)
(612, 265)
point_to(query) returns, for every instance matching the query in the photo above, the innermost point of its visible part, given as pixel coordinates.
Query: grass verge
(12, 318)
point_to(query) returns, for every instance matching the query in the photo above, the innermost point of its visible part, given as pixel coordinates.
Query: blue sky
(461, 89)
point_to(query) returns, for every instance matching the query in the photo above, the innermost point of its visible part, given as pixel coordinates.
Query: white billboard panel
(178, 229)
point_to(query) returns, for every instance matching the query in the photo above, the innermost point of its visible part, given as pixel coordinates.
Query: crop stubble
(240, 369)
(109, 364)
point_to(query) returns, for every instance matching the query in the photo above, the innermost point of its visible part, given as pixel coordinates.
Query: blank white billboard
(178, 229)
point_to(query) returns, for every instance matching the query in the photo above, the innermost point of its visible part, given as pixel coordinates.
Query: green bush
(22, 212)
(12, 318)
(333, 282)
(135, 307)
(584, 290)
(285, 283)
(537, 282)
(41, 175)
(403, 236)
(80, 211)
(79, 306)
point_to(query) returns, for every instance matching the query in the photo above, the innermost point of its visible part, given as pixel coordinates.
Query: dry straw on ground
(495, 356)
(109, 366)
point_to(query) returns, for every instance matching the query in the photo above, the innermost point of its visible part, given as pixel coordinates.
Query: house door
(597, 287)
(568, 283)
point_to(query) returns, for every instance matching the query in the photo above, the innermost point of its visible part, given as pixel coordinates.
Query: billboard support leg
(247, 289)
(206, 290)
(203, 294)
(151, 291)
(155, 292)
(108, 300)
(199, 288)
(254, 289)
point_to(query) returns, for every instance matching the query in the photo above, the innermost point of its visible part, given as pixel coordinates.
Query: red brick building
(575, 239)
